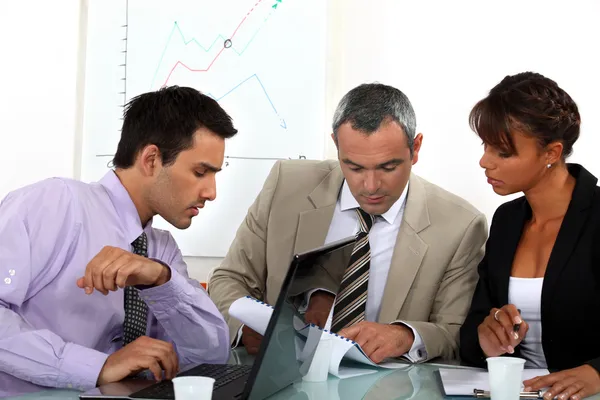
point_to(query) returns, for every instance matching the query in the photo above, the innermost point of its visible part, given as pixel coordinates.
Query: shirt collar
(126, 210)
(348, 202)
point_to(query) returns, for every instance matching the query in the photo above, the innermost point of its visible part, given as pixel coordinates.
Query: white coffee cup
(193, 387)
(506, 377)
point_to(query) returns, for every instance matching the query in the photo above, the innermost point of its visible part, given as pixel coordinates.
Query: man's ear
(417, 147)
(149, 160)
(334, 140)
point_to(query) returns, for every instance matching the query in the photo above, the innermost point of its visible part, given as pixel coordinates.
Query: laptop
(278, 363)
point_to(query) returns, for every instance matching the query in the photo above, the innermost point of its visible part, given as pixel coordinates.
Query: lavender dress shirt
(54, 335)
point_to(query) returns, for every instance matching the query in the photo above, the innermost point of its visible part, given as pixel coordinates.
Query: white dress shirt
(382, 240)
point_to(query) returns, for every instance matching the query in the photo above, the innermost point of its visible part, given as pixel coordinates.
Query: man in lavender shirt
(90, 292)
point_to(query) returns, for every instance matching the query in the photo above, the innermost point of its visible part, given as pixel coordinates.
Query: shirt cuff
(417, 351)
(304, 306)
(166, 296)
(238, 338)
(80, 367)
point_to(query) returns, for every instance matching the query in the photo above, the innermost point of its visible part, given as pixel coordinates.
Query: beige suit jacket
(433, 272)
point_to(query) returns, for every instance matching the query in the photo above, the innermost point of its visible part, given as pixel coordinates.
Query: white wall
(443, 55)
(38, 94)
(446, 55)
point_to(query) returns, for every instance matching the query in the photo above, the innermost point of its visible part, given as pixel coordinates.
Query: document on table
(462, 381)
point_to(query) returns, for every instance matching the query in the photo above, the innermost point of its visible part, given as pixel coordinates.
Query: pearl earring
(549, 165)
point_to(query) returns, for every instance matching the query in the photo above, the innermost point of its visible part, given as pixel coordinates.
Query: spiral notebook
(256, 314)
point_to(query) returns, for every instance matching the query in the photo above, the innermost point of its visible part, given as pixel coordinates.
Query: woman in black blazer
(538, 295)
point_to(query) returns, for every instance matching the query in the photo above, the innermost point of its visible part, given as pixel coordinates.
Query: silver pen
(484, 394)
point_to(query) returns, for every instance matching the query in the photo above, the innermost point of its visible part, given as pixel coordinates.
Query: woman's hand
(573, 384)
(501, 331)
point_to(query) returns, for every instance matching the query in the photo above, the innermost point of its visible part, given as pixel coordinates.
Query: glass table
(413, 382)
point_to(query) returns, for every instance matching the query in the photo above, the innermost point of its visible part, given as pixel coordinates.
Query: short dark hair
(531, 103)
(168, 118)
(367, 106)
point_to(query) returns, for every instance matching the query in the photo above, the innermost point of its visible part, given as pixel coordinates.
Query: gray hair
(368, 105)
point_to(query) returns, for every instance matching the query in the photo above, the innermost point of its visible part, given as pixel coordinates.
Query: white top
(526, 295)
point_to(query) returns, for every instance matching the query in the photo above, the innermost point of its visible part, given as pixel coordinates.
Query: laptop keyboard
(222, 373)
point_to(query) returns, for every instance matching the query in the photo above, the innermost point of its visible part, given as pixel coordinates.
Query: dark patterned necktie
(136, 311)
(350, 302)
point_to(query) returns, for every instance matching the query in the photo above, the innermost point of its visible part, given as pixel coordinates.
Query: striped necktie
(350, 302)
(136, 311)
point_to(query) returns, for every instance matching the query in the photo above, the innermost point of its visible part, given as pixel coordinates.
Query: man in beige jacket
(408, 289)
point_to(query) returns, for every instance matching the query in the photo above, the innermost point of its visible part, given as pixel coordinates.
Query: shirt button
(7, 281)
(11, 272)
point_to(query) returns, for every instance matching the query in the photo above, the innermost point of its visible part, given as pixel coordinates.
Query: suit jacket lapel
(408, 252)
(570, 230)
(314, 224)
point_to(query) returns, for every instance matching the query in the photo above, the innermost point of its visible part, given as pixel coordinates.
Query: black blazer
(570, 308)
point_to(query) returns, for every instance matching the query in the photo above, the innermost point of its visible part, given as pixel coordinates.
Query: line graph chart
(264, 61)
(253, 76)
(227, 43)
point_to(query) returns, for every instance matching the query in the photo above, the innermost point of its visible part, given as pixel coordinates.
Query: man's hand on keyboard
(143, 353)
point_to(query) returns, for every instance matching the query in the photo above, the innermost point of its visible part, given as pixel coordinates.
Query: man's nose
(209, 191)
(371, 183)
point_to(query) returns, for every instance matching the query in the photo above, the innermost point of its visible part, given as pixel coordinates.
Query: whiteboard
(262, 60)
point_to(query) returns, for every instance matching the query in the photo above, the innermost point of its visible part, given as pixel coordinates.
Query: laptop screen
(285, 354)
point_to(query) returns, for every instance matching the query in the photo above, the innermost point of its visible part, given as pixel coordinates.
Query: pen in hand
(484, 394)
(516, 327)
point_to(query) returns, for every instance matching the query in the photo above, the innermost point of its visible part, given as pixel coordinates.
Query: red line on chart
(238, 27)
(218, 54)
